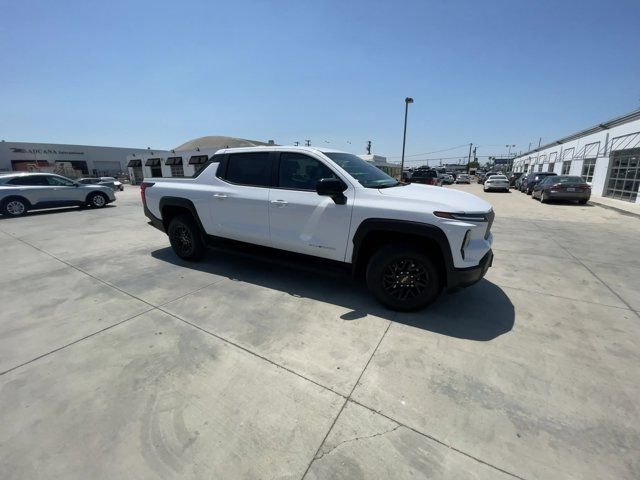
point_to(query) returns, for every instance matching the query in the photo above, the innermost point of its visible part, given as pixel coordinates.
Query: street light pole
(407, 101)
(509, 146)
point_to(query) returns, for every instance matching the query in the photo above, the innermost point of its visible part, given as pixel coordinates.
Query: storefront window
(588, 167)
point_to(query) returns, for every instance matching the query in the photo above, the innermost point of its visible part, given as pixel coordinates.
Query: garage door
(624, 175)
(107, 168)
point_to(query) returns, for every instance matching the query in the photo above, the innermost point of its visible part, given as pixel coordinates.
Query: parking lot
(121, 361)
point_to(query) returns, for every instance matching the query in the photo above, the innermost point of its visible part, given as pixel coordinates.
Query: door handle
(279, 203)
(219, 195)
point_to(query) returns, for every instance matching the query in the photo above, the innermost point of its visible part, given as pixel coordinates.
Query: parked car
(117, 184)
(513, 178)
(21, 192)
(533, 179)
(562, 187)
(446, 179)
(521, 179)
(496, 182)
(409, 242)
(94, 181)
(463, 178)
(427, 177)
(523, 182)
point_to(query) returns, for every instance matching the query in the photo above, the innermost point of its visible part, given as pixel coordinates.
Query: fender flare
(425, 230)
(181, 203)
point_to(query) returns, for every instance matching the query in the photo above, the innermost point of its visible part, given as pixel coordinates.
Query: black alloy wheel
(185, 238)
(403, 277)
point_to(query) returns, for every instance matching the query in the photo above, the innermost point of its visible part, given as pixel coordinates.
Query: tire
(421, 278)
(583, 202)
(185, 238)
(97, 200)
(14, 207)
(543, 198)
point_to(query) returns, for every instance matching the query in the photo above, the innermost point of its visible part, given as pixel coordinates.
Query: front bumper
(463, 277)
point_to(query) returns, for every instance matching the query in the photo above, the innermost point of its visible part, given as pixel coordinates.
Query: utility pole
(307, 143)
(469, 157)
(475, 158)
(368, 147)
(539, 142)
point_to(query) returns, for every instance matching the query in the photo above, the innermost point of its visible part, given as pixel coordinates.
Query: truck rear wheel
(403, 278)
(185, 238)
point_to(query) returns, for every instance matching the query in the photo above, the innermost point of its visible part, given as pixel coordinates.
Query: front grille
(490, 216)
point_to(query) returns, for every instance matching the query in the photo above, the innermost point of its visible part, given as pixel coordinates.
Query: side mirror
(332, 187)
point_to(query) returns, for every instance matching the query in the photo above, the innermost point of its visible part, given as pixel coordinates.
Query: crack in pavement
(318, 457)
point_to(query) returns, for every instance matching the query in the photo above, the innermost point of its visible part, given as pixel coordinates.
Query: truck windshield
(367, 175)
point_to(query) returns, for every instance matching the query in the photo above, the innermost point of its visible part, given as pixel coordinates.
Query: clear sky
(158, 73)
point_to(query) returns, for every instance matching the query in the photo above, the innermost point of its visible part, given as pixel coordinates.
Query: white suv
(410, 242)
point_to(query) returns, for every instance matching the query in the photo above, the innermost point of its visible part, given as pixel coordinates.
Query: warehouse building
(607, 156)
(84, 159)
(184, 160)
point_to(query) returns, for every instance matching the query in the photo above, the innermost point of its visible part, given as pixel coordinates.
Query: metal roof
(629, 117)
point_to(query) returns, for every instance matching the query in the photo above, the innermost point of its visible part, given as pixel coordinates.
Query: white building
(184, 160)
(88, 160)
(392, 169)
(607, 156)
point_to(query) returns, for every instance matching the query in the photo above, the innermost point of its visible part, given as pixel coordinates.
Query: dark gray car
(21, 192)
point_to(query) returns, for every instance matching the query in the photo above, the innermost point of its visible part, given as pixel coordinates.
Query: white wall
(599, 145)
(52, 152)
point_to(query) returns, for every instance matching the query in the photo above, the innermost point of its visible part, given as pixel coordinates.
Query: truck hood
(442, 199)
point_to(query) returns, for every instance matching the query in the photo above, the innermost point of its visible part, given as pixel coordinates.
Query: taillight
(143, 187)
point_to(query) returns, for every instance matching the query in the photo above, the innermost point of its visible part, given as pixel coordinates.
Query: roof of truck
(280, 148)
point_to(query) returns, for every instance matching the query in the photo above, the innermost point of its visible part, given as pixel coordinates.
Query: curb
(619, 210)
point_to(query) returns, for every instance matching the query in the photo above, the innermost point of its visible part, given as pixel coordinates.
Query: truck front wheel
(185, 238)
(403, 278)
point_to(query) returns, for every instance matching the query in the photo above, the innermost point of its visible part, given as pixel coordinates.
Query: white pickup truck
(410, 242)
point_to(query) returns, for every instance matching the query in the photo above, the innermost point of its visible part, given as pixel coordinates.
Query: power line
(429, 153)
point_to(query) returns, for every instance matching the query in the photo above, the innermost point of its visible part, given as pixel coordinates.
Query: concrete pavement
(121, 361)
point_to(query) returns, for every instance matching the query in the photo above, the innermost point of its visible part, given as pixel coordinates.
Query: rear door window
(29, 180)
(253, 169)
